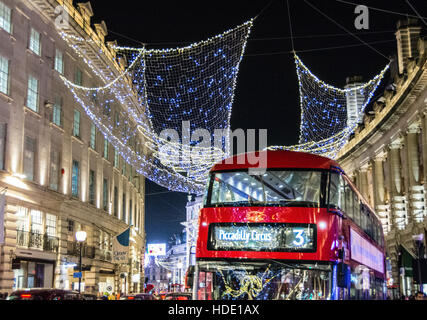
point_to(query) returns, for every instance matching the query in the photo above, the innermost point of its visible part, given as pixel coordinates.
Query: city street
(232, 150)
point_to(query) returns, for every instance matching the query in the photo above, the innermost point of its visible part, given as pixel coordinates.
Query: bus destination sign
(262, 237)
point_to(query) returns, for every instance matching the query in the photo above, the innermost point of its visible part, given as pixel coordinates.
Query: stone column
(381, 207)
(370, 182)
(8, 248)
(416, 189)
(364, 188)
(399, 212)
(61, 269)
(92, 280)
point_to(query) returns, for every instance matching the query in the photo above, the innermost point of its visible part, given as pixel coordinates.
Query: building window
(117, 119)
(116, 201)
(78, 77)
(92, 136)
(76, 126)
(23, 219)
(59, 62)
(92, 187)
(105, 195)
(4, 75)
(130, 212)
(36, 222)
(124, 207)
(56, 112)
(3, 127)
(35, 42)
(5, 18)
(105, 149)
(29, 157)
(54, 169)
(75, 179)
(116, 158)
(33, 94)
(50, 225)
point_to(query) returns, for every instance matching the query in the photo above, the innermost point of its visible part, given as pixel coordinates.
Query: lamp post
(80, 237)
(179, 266)
(169, 281)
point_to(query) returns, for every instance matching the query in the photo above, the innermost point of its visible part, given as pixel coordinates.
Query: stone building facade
(387, 155)
(61, 174)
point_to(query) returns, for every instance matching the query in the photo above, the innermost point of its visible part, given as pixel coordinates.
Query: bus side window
(334, 190)
(356, 208)
(364, 217)
(349, 208)
(342, 194)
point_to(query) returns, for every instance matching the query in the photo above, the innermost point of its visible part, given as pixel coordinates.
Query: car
(44, 294)
(87, 296)
(179, 296)
(138, 296)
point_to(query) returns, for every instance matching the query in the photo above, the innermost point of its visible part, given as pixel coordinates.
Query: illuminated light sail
(325, 125)
(157, 91)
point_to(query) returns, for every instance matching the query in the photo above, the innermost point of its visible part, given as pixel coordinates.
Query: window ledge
(93, 150)
(35, 55)
(6, 97)
(32, 112)
(77, 139)
(53, 125)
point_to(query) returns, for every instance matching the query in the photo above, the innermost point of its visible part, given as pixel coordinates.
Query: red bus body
(332, 230)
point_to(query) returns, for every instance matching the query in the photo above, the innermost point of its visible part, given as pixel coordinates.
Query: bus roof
(275, 159)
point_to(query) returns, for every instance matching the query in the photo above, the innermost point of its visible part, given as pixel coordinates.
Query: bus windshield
(273, 188)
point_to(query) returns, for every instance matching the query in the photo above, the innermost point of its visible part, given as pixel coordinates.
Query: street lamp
(80, 237)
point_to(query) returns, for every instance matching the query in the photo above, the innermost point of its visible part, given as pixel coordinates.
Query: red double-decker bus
(297, 230)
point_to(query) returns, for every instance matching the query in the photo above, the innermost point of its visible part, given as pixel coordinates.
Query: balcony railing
(36, 240)
(73, 248)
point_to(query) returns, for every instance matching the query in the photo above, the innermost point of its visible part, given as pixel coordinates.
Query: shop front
(106, 282)
(32, 273)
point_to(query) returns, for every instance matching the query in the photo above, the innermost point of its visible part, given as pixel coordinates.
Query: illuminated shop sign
(262, 237)
(364, 252)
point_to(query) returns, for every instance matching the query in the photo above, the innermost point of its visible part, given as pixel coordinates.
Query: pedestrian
(419, 296)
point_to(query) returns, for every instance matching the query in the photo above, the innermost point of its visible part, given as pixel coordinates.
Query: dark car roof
(42, 290)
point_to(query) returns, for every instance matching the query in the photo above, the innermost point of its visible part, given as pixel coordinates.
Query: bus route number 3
(299, 237)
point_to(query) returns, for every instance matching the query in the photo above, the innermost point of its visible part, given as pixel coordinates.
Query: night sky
(266, 96)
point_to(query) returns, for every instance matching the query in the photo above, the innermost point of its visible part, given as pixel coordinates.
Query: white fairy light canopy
(157, 91)
(329, 115)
